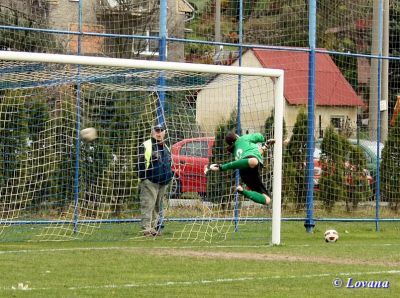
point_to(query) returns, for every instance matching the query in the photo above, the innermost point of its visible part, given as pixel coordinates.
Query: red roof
(331, 88)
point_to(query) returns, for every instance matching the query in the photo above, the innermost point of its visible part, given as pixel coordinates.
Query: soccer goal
(50, 178)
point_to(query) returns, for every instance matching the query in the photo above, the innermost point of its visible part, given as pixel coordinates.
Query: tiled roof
(331, 88)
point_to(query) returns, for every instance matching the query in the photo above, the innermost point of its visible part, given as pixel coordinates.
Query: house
(110, 17)
(336, 102)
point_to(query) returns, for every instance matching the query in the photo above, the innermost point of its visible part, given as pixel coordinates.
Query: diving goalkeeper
(249, 161)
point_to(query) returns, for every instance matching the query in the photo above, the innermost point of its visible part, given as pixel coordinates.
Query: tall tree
(289, 170)
(14, 157)
(394, 51)
(297, 151)
(332, 182)
(390, 167)
(280, 23)
(28, 41)
(358, 189)
(40, 148)
(219, 185)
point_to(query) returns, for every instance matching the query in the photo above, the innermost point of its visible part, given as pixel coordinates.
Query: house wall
(17, 5)
(322, 117)
(33, 8)
(64, 15)
(217, 103)
(326, 113)
(176, 28)
(218, 100)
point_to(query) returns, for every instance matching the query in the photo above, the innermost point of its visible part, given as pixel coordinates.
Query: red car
(189, 157)
(319, 167)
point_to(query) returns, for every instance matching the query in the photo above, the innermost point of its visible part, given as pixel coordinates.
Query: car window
(317, 153)
(365, 151)
(195, 148)
(368, 157)
(370, 146)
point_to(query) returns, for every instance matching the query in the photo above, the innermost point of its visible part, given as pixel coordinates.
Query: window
(196, 149)
(337, 122)
(146, 46)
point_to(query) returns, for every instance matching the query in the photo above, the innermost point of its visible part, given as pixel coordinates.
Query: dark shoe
(160, 226)
(150, 233)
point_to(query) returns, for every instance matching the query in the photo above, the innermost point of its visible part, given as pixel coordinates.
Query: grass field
(244, 265)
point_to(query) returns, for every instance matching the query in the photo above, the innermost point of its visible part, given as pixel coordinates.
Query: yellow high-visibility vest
(148, 150)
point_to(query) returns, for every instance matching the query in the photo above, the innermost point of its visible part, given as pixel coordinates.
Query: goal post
(130, 75)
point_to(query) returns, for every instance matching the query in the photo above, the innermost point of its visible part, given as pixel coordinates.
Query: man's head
(230, 139)
(158, 133)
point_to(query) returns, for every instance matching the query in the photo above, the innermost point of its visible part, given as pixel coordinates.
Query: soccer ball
(331, 236)
(88, 134)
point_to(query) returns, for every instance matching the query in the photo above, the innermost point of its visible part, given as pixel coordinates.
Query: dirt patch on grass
(267, 257)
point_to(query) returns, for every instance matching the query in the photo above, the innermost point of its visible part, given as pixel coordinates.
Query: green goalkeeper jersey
(247, 145)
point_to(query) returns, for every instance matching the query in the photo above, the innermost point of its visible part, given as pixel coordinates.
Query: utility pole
(385, 72)
(217, 24)
(379, 71)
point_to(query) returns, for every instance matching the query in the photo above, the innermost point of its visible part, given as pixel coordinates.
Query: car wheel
(175, 190)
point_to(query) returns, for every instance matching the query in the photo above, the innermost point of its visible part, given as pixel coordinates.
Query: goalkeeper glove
(213, 167)
(267, 144)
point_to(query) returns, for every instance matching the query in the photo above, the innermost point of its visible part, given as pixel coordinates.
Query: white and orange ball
(331, 236)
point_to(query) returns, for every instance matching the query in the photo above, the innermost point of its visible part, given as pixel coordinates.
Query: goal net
(66, 189)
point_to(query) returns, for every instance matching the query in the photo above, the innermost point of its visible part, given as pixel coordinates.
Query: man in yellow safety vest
(154, 170)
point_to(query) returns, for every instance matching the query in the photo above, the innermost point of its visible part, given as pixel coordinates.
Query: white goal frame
(277, 74)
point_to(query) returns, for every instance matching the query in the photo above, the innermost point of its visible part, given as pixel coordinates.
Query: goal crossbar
(140, 64)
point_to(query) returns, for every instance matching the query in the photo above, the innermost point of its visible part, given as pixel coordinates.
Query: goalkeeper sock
(254, 196)
(237, 164)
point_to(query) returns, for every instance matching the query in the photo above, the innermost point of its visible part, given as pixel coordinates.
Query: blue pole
(309, 223)
(163, 31)
(78, 127)
(238, 120)
(162, 51)
(378, 136)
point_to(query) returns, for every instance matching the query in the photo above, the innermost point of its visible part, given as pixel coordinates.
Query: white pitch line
(155, 247)
(124, 248)
(68, 249)
(201, 282)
